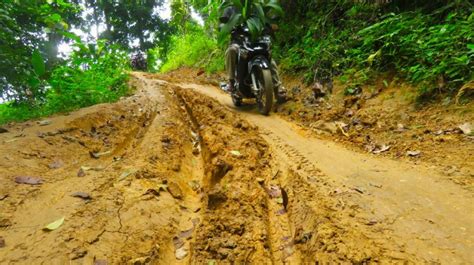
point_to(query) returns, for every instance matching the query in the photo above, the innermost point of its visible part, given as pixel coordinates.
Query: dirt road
(176, 174)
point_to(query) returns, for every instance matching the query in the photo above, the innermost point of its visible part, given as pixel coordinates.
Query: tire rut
(235, 228)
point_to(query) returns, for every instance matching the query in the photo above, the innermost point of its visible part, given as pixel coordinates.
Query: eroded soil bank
(176, 175)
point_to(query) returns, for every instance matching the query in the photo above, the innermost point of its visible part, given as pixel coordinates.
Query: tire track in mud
(240, 223)
(312, 226)
(323, 222)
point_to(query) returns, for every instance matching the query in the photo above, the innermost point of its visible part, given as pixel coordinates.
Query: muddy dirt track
(176, 175)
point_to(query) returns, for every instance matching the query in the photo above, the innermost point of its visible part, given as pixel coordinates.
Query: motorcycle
(253, 74)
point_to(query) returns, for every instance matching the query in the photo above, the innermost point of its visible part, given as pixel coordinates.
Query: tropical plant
(255, 14)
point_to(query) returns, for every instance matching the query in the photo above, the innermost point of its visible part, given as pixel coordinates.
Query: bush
(194, 48)
(94, 74)
(430, 45)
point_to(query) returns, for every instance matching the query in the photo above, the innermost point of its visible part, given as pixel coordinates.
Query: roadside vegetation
(427, 43)
(37, 80)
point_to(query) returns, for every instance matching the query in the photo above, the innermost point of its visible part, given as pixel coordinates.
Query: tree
(23, 44)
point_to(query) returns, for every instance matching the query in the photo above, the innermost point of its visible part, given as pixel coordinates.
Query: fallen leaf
(274, 191)
(54, 225)
(177, 242)
(78, 253)
(28, 180)
(175, 190)
(97, 155)
(341, 126)
(181, 253)
(44, 122)
(236, 153)
(375, 185)
(127, 173)
(466, 128)
(400, 127)
(152, 192)
(381, 149)
(81, 172)
(372, 222)
(56, 164)
(194, 184)
(100, 262)
(82, 195)
(187, 233)
(284, 195)
(413, 153)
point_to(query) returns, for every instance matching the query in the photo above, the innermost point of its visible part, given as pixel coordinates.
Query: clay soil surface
(177, 175)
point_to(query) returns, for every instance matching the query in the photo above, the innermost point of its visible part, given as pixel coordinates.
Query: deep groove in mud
(277, 239)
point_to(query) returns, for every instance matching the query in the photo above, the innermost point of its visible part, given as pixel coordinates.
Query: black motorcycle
(253, 74)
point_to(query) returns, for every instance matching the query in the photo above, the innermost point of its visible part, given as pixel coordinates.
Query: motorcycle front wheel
(265, 88)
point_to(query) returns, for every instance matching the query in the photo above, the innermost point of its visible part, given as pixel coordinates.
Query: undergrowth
(194, 48)
(430, 45)
(94, 74)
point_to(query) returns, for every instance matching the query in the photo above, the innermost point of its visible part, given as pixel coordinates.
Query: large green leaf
(276, 8)
(227, 28)
(38, 63)
(255, 26)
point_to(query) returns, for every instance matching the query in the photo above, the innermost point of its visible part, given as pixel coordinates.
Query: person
(232, 52)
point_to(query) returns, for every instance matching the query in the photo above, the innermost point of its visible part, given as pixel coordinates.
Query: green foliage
(194, 49)
(27, 31)
(94, 74)
(426, 43)
(129, 20)
(255, 14)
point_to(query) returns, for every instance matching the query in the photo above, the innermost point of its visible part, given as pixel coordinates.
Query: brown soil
(389, 116)
(177, 175)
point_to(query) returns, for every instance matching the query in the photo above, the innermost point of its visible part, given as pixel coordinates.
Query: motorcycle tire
(265, 83)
